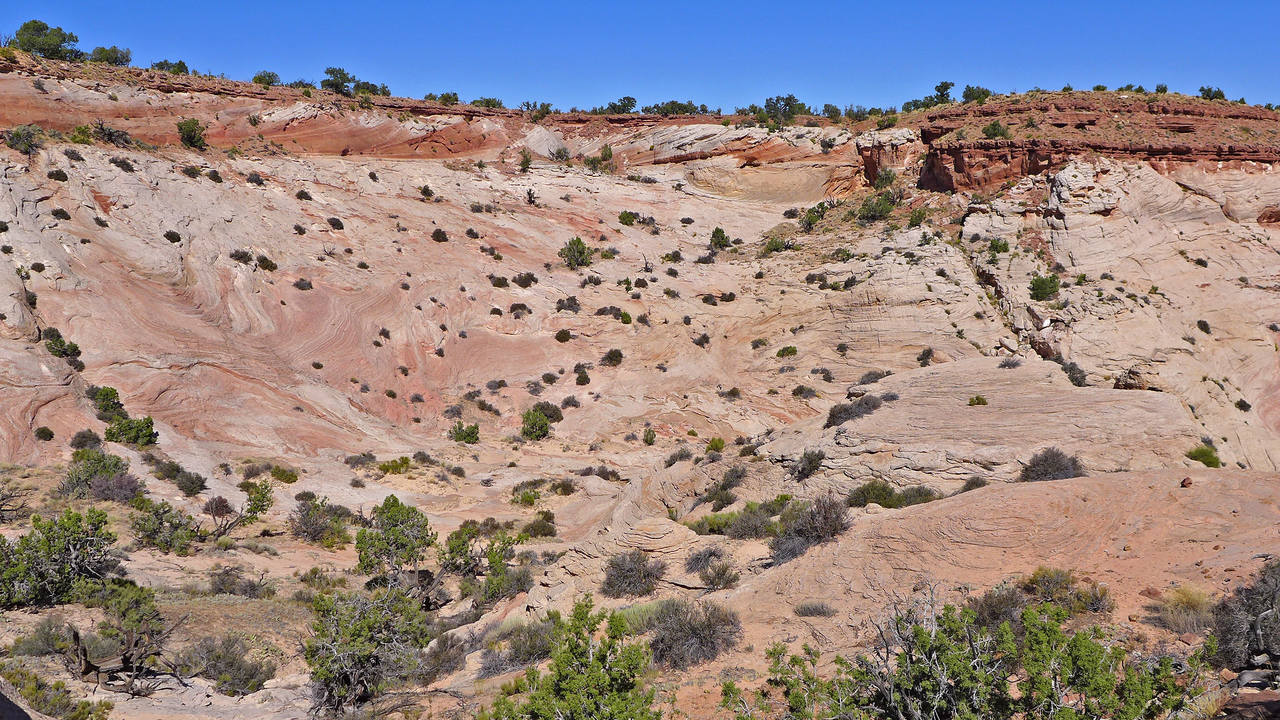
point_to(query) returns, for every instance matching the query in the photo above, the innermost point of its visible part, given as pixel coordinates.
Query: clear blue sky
(724, 54)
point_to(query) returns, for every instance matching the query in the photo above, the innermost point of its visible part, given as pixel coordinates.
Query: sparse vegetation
(632, 574)
(1051, 464)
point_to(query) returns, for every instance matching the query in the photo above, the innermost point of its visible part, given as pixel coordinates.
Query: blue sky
(724, 54)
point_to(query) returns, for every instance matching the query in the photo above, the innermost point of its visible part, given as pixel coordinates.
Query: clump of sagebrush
(632, 574)
(1051, 464)
(688, 633)
(844, 412)
(803, 525)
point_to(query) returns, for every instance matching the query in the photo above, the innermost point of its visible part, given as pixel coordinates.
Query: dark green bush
(1044, 287)
(191, 132)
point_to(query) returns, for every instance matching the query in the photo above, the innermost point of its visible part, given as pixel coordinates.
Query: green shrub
(575, 253)
(266, 78)
(788, 351)
(591, 675)
(164, 527)
(875, 208)
(977, 400)
(132, 431)
(995, 130)
(885, 495)
(191, 132)
(649, 436)
(52, 699)
(399, 466)
(1205, 454)
(534, 425)
(24, 138)
(1044, 287)
(469, 434)
(361, 645)
(44, 566)
(43, 434)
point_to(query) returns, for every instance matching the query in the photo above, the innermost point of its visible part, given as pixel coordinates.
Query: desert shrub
(1044, 287)
(1205, 454)
(360, 645)
(977, 400)
(48, 637)
(885, 495)
(1009, 363)
(86, 466)
(788, 351)
(632, 574)
(317, 522)
(121, 487)
(534, 425)
(873, 376)
(995, 129)
(701, 559)
(683, 453)
(844, 412)
(973, 483)
(399, 466)
(876, 208)
(575, 253)
(85, 439)
(1075, 373)
(1051, 464)
(549, 410)
(24, 138)
(612, 358)
(469, 434)
(1001, 604)
(57, 174)
(51, 699)
(135, 431)
(231, 580)
(1247, 622)
(689, 633)
(191, 132)
(806, 524)
(719, 576)
(1185, 609)
(544, 525)
(807, 464)
(43, 434)
(164, 527)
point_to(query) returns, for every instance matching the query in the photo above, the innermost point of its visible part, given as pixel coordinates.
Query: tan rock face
(320, 313)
